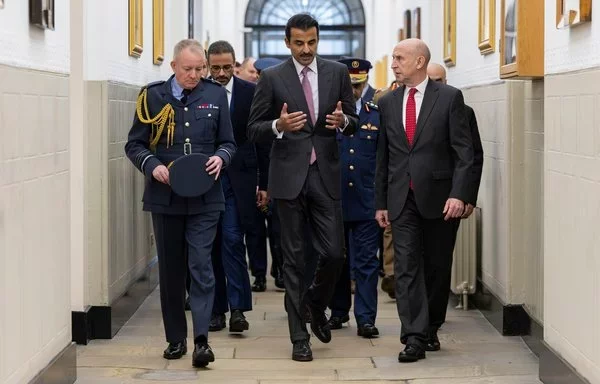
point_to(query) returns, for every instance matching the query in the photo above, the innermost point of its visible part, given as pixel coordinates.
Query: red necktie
(411, 120)
(411, 116)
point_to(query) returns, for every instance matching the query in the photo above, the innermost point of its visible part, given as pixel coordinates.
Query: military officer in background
(357, 161)
(181, 139)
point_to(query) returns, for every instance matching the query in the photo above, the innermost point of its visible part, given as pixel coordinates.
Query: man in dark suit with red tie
(423, 177)
(302, 103)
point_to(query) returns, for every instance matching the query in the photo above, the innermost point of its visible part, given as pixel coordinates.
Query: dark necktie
(186, 93)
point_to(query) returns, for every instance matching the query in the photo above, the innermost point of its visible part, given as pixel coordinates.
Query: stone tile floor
(473, 352)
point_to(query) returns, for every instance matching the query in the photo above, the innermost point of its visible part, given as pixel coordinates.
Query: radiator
(464, 267)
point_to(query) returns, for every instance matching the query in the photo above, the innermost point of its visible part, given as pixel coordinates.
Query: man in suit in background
(436, 291)
(424, 161)
(195, 120)
(357, 154)
(303, 103)
(239, 187)
(247, 70)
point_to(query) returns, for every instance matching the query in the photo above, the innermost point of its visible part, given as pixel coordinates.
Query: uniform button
(209, 115)
(351, 135)
(185, 109)
(352, 151)
(369, 137)
(187, 139)
(352, 167)
(350, 184)
(187, 124)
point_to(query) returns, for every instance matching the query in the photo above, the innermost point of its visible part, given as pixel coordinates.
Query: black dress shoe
(318, 322)
(238, 322)
(302, 351)
(336, 322)
(175, 350)
(367, 331)
(433, 343)
(411, 354)
(217, 322)
(202, 355)
(187, 304)
(260, 284)
(279, 281)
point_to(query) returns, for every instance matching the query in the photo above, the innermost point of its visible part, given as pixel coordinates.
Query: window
(341, 23)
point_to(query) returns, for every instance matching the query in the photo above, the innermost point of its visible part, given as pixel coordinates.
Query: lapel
(324, 85)
(431, 96)
(236, 89)
(399, 104)
(369, 95)
(291, 81)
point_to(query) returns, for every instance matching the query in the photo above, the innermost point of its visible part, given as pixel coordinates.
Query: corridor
(473, 352)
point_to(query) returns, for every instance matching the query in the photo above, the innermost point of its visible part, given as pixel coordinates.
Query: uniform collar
(176, 89)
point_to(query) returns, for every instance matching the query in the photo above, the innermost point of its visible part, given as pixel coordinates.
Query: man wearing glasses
(239, 183)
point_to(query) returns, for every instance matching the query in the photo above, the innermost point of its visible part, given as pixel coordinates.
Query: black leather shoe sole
(321, 331)
(367, 333)
(302, 357)
(239, 327)
(410, 358)
(202, 361)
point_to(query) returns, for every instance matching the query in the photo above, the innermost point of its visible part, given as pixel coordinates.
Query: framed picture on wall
(401, 34)
(407, 24)
(41, 13)
(190, 19)
(416, 23)
(136, 28)
(450, 32)
(521, 25)
(158, 31)
(570, 13)
(487, 26)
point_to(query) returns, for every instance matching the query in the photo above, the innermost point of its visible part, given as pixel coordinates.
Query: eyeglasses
(217, 68)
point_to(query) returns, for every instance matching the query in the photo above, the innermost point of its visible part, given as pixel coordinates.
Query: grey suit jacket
(440, 161)
(290, 155)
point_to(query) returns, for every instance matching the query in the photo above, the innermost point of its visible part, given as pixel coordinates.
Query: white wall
(27, 46)
(106, 44)
(573, 48)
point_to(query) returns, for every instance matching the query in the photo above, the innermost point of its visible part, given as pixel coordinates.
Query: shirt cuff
(275, 131)
(346, 122)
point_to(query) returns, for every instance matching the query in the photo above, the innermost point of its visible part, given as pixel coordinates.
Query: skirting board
(513, 320)
(61, 370)
(103, 322)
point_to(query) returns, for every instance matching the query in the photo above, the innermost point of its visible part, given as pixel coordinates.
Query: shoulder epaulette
(150, 85)
(210, 80)
(371, 105)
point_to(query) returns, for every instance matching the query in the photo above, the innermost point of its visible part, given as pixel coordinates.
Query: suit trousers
(422, 252)
(362, 238)
(233, 253)
(221, 303)
(324, 216)
(388, 251)
(173, 233)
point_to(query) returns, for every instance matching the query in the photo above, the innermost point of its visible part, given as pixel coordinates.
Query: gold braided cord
(165, 117)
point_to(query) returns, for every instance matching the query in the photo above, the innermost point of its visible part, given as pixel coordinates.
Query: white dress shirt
(359, 102)
(418, 100)
(229, 89)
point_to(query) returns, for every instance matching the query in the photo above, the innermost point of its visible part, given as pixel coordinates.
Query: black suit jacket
(440, 160)
(290, 155)
(477, 156)
(249, 166)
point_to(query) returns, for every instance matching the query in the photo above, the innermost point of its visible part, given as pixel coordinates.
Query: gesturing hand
(161, 174)
(290, 122)
(213, 166)
(336, 119)
(453, 209)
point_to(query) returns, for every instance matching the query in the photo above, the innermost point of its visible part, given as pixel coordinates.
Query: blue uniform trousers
(233, 258)
(173, 233)
(362, 241)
